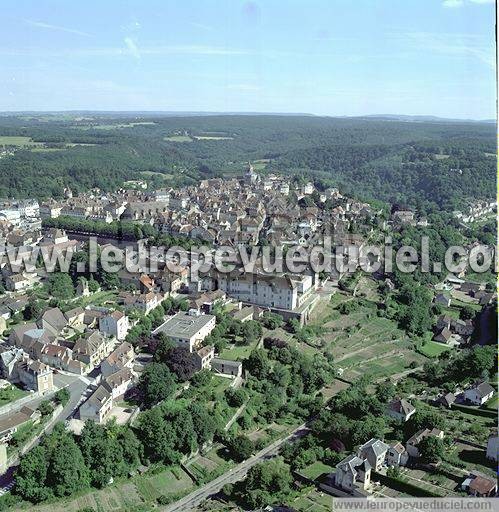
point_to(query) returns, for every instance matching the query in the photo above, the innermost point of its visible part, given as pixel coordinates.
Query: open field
(433, 348)
(171, 480)
(362, 342)
(178, 138)
(8, 140)
(313, 501)
(211, 137)
(116, 498)
(37, 147)
(437, 484)
(114, 126)
(237, 352)
(191, 138)
(160, 174)
(47, 150)
(99, 298)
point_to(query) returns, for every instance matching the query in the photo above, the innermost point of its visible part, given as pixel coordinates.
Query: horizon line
(194, 113)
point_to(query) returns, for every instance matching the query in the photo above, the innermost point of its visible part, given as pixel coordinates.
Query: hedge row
(487, 413)
(406, 487)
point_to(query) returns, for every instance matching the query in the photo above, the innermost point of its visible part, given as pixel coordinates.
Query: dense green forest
(431, 165)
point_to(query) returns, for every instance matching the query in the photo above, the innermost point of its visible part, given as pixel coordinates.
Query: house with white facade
(187, 329)
(114, 324)
(352, 473)
(479, 393)
(375, 453)
(98, 406)
(400, 409)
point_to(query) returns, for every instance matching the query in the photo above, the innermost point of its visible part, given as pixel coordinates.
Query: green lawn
(313, 501)
(316, 469)
(433, 348)
(237, 353)
(171, 480)
(492, 403)
(96, 299)
(11, 394)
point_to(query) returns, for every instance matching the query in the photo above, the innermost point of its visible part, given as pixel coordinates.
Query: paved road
(60, 381)
(76, 388)
(238, 473)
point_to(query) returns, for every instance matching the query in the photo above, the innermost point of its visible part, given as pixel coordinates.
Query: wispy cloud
(48, 26)
(461, 45)
(132, 48)
(133, 26)
(202, 26)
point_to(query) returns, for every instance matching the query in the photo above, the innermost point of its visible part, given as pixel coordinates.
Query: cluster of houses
(454, 331)
(187, 330)
(477, 394)
(76, 342)
(240, 211)
(475, 211)
(217, 211)
(352, 476)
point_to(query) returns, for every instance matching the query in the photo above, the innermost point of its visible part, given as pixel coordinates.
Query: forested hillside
(427, 164)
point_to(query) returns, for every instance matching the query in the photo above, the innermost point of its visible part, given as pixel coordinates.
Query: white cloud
(132, 47)
(133, 26)
(40, 24)
(453, 3)
(202, 26)
(454, 44)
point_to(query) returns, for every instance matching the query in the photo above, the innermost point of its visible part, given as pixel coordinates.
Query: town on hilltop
(335, 383)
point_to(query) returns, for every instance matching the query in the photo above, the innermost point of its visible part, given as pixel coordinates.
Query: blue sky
(329, 57)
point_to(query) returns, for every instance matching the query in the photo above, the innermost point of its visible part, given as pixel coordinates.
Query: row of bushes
(487, 413)
(403, 486)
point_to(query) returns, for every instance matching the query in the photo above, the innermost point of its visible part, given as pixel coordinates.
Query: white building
(479, 394)
(375, 453)
(115, 324)
(283, 292)
(353, 473)
(119, 382)
(98, 407)
(187, 329)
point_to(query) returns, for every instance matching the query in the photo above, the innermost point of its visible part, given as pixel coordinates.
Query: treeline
(63, 464)
(121, 230)
(400, 174)
(434, 164)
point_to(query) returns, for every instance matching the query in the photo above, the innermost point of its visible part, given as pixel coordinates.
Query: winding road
(235, 474)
